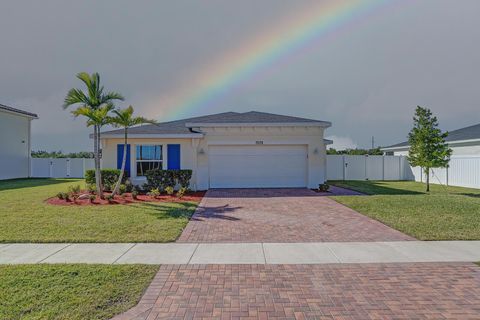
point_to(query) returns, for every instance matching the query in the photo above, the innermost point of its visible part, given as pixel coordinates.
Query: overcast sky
(366, 79)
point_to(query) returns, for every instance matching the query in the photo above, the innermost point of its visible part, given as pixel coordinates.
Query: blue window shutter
(120, 158)
(173, 153)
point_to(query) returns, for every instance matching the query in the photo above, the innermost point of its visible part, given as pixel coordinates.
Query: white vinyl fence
(463, 171)
(60, 167)
(346, 167)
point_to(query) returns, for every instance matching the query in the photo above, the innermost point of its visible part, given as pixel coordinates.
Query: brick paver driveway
(280, 215)
(326, 291)
(372, 291)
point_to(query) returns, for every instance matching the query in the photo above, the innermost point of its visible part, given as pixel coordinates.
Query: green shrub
(90, 177)
(122, 189)
(109, 198)
(74, 189)
(109, 177)
(155, 179)
(183, 177)
(181, 192)
(169, 190)
(154, 193)
(91, 188)
(323, 187)
(134, 194)
(161, 179)
(61, 196)
(92, 197)
(128, 185)
(158, 178)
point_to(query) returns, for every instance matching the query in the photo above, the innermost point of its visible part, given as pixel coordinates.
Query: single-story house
(464, 141)
(15, 137)
(226, 150)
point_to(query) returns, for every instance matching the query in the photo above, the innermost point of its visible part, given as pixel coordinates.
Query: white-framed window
(148, 157)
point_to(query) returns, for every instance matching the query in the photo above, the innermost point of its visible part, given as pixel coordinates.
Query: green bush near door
(109, 177)
(161, 179)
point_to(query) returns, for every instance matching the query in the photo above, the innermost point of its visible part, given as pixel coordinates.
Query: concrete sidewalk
(242, 253)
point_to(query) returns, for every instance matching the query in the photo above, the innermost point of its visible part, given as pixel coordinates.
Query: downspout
(195, 143)
(29, 147)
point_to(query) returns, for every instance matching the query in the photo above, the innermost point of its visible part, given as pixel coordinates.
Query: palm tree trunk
(122, 170)
(98, 178)
(100, 161)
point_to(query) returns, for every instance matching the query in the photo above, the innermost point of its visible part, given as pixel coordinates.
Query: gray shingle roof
(7, 108)
(467, 133)
(179, 126)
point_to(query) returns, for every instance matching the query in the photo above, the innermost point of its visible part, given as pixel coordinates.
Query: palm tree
(124, 118)
(94, 99)
(96, 118)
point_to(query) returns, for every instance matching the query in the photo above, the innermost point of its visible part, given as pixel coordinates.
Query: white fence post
(68, 167)
(51, 168)
(446, 173)
(366, 172)
(399, 168)
(383, 167)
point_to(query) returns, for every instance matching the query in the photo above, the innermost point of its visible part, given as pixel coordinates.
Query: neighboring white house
(15, 134)
(463, 142)
(227, 150)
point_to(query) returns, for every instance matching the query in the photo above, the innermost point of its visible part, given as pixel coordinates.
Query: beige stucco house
(15, 141)
(226, 150)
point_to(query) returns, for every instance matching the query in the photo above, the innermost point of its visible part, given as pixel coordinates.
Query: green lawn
(71, 291)
(446, 213)
(25, 217)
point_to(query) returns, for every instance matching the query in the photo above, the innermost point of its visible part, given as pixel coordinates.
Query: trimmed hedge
(109, 177)
(183, 177)
(161, 179)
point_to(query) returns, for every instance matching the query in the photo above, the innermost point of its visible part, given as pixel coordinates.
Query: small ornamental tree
(428, 148)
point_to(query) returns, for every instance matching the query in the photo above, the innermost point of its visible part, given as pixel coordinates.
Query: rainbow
(302, 30)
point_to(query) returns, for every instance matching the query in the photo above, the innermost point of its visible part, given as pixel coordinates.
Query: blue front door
(173, 153)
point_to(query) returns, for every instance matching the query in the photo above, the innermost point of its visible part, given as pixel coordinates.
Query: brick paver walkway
(372, 291)
(280, 215)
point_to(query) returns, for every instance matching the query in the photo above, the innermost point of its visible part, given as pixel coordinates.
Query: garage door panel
(257, 166)
(258, 150)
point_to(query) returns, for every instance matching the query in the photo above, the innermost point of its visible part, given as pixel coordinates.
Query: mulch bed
(126, 198)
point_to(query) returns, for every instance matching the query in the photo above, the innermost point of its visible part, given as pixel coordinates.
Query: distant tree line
(60, 154)
(356, 152)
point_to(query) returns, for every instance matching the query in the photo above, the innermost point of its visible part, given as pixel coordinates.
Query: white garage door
(260, 166)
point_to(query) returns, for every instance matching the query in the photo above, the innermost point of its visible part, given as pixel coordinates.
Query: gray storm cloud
(366, 79)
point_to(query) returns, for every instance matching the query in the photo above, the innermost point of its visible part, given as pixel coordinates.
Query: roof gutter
(18, 113)
(448, 142)
(395, 148)
(327, 142)
(323, 124)
(151, 136)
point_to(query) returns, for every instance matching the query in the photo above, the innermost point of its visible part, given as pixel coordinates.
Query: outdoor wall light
(315, 151)
(201, 151)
